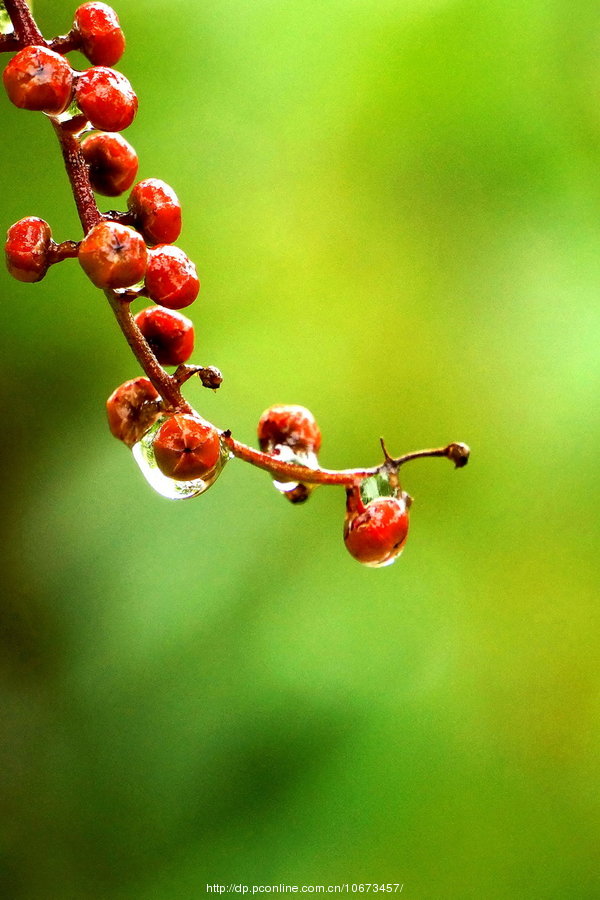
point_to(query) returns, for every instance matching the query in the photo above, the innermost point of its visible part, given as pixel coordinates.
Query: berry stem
(166, 386)
(349, 477)
(24, 24)
(77, 170)
(63, 43)
(64, 250)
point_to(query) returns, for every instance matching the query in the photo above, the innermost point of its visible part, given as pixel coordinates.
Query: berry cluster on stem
(131, 254)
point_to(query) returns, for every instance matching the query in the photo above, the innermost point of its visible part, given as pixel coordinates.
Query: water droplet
(170, 488)
(302, 458)
(376, 486)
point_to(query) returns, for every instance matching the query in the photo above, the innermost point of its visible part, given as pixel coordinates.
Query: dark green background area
(394, 207)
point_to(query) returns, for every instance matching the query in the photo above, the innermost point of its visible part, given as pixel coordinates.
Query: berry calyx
(186, 448)
(113, 255)
(102, 40)
(132, 409)
(112, 160)
(27, 249)
(170, 335)
(292, 426)
(39, 79)
(171, 277)
(106, 98)
(375, 534)
(156, 211)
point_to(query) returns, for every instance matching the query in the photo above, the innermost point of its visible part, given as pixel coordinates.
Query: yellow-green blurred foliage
(394, 206)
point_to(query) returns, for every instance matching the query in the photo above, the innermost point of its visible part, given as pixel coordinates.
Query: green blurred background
(394, 206)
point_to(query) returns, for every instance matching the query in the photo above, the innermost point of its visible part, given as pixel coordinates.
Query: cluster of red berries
(187, 448)
(132, 254)
(374, 531)
(135, 246)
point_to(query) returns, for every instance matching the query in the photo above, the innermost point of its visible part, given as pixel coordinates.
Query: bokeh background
(394, 206)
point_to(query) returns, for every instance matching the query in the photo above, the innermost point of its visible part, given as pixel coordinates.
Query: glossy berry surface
(27, 249)
(170, 335)
(376, 535)
(106, 98)
(112, 160)
(113, 255)
(39, 79)
(156, 210)
(293, 426)
(102, 40)
(171, 277)
(131, 410)
(186, 448)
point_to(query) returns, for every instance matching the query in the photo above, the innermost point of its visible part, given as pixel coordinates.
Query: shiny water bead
(167, 486)
(298, 491)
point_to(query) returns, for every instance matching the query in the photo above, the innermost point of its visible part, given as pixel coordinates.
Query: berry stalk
(458, 453)
(26, 30)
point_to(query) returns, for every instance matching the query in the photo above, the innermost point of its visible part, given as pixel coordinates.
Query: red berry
(171, 277)
(376, 535)
(102, 40)
(106, 98)
(132, 410)
(113, 255)
(187, 448)
(40, 79)
(27, 249)
(293, 426)
(170, 335)
(112, 160)
(156, 210)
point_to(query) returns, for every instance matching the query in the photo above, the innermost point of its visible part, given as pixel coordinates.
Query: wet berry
(292, 426)
(132, 410)
(113, 255)
(186, 448)
(156, 210)
(39, 79)
(106, 98)
(171, 277)
(102, 40)
(375, 535)
(170, 335)
(112, 160)
(27, 249)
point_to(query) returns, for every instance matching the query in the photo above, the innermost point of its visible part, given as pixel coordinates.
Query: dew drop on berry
(301, 457)
(170, 488)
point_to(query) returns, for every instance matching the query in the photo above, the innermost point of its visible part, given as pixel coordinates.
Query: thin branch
(349, 477)
(166, 386)
(25, 26)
